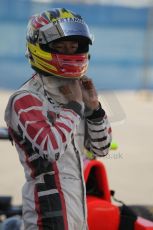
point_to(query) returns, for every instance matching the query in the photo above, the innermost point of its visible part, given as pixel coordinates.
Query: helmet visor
(51, 32)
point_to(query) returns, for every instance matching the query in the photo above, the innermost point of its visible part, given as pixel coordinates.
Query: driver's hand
(72, 91)
(89, 93)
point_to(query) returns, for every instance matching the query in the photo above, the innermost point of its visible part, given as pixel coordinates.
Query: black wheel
(145, 211)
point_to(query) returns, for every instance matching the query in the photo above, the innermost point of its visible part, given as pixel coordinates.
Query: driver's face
(65, 47)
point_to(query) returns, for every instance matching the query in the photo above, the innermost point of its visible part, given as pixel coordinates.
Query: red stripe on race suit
(25, 102)
(58, 185)
(32, 115)
(42, 135)
(68, 118)
(61, 133)
(62, 125)
(39, 122)
(33, 129)
(46, 144)
(53, 140)
(47, 132)
(35, 120)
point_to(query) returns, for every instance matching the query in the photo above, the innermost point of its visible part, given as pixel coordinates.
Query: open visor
(51, 32)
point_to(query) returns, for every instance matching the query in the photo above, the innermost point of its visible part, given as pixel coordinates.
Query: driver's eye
(58, 47)
(65, 47)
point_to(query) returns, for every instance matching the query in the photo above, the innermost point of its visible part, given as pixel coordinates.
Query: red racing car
(103, 213)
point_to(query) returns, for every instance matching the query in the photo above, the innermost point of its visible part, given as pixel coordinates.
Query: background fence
(121, 56)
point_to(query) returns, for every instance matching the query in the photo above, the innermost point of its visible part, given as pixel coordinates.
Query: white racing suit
(50, 141)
